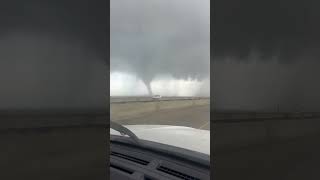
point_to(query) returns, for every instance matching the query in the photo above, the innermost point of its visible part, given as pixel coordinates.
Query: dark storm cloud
(53, 54)
(266, 53)
(265, 85)
(78, 19)
(284, 28)
(160, 37)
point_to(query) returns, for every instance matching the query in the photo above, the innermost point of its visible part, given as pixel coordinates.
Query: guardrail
(116, 100)
(19, 120)
(219, 117)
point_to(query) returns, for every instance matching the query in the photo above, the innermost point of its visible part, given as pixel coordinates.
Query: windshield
(159, 70)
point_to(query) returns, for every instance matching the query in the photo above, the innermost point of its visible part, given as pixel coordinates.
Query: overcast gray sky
(266, 53)
(53, 54)
(151, 38)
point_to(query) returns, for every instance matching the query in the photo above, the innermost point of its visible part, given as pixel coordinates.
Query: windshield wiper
(124, 131)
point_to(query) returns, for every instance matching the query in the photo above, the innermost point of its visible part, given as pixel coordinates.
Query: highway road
(196, 117)
(290, 160)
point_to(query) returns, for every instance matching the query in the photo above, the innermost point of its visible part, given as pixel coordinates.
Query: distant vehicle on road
(156, 97)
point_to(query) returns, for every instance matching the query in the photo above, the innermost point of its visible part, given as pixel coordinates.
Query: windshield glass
(159, 70)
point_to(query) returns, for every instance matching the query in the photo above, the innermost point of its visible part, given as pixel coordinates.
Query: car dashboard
(135, 163)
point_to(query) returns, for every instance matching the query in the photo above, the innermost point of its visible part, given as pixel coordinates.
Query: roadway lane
(196, 117)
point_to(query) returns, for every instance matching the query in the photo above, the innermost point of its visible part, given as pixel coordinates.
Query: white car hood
(180, 136)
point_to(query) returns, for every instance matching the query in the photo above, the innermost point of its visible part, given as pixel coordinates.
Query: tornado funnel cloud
(149, 89)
